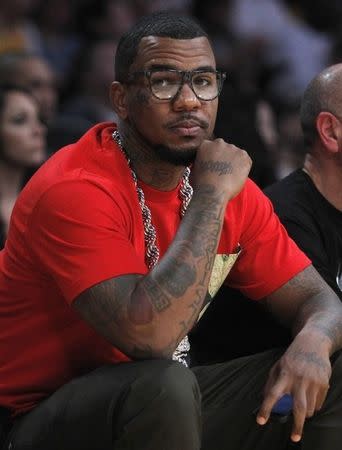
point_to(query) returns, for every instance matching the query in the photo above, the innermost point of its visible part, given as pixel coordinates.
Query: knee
(163, 403)
(169, 388)
(179, 388)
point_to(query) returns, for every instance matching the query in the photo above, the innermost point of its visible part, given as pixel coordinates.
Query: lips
(187, 124)
(187, 127)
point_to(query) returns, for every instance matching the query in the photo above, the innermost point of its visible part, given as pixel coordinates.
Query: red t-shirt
(78, 222)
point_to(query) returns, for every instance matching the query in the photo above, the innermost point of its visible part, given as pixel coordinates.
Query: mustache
(187, 118)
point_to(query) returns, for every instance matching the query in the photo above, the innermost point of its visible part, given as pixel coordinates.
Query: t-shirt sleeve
(79, 235)
(269, 257)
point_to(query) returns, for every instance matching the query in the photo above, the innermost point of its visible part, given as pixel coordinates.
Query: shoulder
(295, 187)
(295, 195)
(85, 176)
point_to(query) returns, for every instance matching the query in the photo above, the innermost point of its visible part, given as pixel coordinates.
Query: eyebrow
(170, 67)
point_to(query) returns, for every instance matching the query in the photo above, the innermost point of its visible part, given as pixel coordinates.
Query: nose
(186, 100)
(39, 128)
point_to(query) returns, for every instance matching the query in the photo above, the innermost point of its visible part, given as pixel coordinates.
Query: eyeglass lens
(165, 84)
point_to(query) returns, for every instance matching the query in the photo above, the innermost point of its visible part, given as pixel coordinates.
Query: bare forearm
(147, 316)
(310, 306)
(322, 315)
(170, 297)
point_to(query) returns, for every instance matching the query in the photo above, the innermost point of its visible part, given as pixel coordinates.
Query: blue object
(284, 405)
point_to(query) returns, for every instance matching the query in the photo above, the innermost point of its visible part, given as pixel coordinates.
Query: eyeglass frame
(186, 78)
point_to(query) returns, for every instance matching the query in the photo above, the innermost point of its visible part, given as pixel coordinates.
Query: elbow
(150, 344)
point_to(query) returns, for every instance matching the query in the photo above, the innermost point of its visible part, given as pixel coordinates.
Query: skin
(139, 109)
(147, 316)
(35, 75)
(22, 142)
(21, 130)
(323, 162)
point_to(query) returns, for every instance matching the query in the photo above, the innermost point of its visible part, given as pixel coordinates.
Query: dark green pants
(161, 405)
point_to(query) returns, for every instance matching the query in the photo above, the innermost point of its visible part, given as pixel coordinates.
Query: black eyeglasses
(165, 84)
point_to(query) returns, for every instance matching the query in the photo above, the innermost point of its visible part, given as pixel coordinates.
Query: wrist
(317, 339)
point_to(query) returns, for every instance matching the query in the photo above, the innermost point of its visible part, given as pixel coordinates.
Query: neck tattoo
(152, 250)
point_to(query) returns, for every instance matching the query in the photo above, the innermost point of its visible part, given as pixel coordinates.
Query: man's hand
(221, 165)
(304, 372)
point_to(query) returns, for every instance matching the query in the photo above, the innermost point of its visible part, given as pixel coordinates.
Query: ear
(329, 129)
(118, 97)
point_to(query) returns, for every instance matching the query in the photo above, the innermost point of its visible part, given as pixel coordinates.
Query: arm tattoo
(131, 310)
(159, 299)
(220, 167)
(312, 358)
(177, 272)
(312, 304)
(104, 303)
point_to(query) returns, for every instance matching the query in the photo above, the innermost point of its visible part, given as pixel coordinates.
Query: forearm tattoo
(127, 307)
(219, 167)
(311, 358)
(320, 308)
(186, 267)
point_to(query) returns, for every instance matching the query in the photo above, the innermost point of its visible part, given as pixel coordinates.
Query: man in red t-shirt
(112, 256)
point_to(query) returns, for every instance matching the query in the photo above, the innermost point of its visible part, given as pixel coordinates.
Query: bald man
(309, 201)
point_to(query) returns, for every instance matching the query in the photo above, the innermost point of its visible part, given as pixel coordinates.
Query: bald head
(324, 93)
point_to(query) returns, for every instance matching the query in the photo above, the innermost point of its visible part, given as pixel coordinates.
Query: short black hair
(161, 24)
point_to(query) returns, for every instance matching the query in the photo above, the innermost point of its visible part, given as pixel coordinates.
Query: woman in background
(22, 147)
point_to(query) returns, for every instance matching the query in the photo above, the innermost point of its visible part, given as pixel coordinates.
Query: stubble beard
(175, 156)
(178, 156)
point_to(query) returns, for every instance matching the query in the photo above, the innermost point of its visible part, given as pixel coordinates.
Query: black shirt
(235, 326)
(312, 222)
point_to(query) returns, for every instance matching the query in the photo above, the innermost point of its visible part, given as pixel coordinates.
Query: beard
(175, 156)
(133, 139)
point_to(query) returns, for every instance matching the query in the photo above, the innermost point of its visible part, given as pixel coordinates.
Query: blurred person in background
(244, 116)
(17, 31)
(88, 94)
(105, 18)
(289, 151)
(59, 40)
(297, 37)
(309, 200)
(149, 6)
(32, 72)
(22, 147)
(309, 204)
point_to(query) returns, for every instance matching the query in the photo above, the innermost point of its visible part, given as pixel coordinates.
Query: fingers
(299, 415)
(321, 397)
(308, 398)
(271, 395)
(300, 410)
(273, 392)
